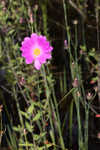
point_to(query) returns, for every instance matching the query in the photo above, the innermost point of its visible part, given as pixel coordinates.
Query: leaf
(28, 127)
(37, 117)
(26, 144)
(30, 109)
(83, 47)
(11, 32)
(38, 137)
(47, 145)
(17, 129)
(24, 114)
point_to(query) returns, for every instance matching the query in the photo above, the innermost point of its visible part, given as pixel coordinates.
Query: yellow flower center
(36, 52)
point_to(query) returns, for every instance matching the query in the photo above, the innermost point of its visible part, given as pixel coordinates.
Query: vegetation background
(57, 107)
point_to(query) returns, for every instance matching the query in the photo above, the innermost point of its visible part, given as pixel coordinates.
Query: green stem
(86, 127)
(80, 139)
(49, 103)
(20, 116)
(56, 110)
(77, 100)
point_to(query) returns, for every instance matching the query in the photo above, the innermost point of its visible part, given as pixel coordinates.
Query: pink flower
(36, 49)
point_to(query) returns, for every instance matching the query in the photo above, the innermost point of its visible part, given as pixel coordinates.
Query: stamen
(36, 52)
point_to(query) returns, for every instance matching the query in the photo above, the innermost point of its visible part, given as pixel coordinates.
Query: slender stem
(49, 103)
(77, 99)
(56, 108)
(20, 116)
(86, 127)
(84, 97)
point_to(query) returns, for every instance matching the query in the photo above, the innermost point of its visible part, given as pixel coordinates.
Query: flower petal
(37, 64)
(36, 42)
